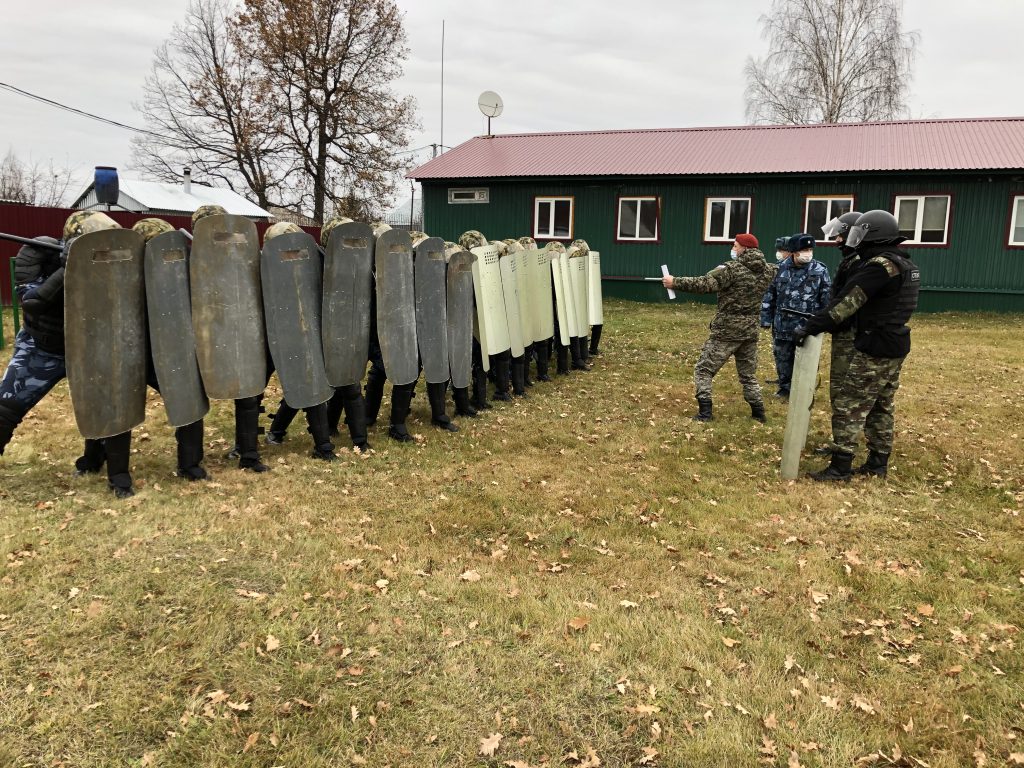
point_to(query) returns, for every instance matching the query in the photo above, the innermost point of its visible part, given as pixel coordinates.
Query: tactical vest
(893, 306)
(43, 321)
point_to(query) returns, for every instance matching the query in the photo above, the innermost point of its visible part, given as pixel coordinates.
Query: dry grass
(648, 588)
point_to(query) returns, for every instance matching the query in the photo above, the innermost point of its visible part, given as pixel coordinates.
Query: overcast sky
(565, 65)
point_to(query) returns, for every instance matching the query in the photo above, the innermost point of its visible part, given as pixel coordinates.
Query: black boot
(501, 364)
(585, 350)
(838, 471)
(335, 406)
(190, 451)
(527, 357)
(519, 376)
(401, 399)
(877, 464)
(355, 415)
(316, 418)
(436, 397)
(280, 423)
(119, 477)
(247, 434)
(480, 390)
(9, 421)
(374, 394)
(93, 457)
(577, 359)
(541, 351)
(595, 339)
(462, 405)
(703, 410)
(561, 358)
(757, 412)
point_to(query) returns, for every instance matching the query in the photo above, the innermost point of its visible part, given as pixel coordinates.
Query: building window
(552, 218)
(726, 217)
(923, 219)
(638, 218)
(1017, 222)
(820, 210)
(464, 195)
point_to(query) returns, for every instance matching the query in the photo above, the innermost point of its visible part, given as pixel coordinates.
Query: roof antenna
(491, 105)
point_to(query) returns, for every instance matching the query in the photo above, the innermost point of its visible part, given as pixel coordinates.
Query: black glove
(799, 336)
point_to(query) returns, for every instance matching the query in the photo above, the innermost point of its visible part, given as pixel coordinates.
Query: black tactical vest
(882, 322)
(43, 320)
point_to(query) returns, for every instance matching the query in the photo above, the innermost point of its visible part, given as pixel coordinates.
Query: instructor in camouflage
(879, 296)
(740, 284)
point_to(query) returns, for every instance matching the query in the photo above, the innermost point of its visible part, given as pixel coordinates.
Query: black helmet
(874, 227)
(840, 226)
(800, 242)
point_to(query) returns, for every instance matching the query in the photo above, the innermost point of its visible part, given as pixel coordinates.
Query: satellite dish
(490, 104)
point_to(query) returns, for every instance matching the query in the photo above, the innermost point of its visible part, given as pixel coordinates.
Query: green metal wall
(977, 271)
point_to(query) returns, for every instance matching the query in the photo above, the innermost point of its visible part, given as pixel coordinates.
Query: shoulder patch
(887, 264)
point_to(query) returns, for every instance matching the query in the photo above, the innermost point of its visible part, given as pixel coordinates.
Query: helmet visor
(856, 235)
(834, 229)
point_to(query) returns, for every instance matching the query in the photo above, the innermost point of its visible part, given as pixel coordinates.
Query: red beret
(747, 240)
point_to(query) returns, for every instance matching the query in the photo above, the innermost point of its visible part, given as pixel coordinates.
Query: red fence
(32, 221)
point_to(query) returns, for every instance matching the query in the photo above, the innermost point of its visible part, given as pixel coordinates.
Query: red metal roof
(964, 144)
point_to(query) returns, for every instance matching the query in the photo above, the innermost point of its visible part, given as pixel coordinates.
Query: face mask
(804, 257)
(780, 255)
(733, 253)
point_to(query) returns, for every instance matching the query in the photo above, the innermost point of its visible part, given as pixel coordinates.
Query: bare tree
(831, 61)
(329, 66)
(205, 104)
(32, 183)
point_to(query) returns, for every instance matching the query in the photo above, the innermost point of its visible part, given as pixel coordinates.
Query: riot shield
(510, 295)
(348, 285)
(801, 398)
(292, 301)
(578, 280)
(171, 338)
(105, 332)
(563, 298)
(544, 308)
(227, 307)
(459, 296)
(431, 309)
(595, 300)
(492, 324)
(396, 306)
(524, 288)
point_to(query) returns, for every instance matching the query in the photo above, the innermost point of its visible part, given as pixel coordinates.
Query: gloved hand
(800, 336)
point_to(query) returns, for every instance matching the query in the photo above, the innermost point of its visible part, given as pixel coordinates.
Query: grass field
(584, 578)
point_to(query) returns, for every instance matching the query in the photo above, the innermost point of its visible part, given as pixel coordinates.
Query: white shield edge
(492, 323)
(595, 299)
(801, 396)
(510, 295)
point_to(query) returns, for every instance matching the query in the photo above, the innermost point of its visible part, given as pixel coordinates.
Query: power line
(73, 110)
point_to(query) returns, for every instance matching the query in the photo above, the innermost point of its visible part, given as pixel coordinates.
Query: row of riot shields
(208, 316)
(521, 290)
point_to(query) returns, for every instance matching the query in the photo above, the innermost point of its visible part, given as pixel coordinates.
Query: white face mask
(733, 253)
(780, 255)
(804, 257)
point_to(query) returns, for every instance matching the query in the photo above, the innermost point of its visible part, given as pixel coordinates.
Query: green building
(678, 197)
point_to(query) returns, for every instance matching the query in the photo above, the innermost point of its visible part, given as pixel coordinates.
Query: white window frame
(708, 201)
(920, 218)
(480, 195)
(1017, 204)
(550, 234)
(808, 199)
(640, 200)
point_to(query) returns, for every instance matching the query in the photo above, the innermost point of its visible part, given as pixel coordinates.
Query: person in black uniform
(879, 295)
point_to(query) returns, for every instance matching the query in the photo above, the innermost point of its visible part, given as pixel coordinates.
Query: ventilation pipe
(188, 180)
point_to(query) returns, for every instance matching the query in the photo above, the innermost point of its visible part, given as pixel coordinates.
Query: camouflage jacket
(740, 285)
(802, 288)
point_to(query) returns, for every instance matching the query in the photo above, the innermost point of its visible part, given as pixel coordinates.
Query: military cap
(584, 249)
(83, 222)
(326, 229)
(207, 210)
(527, 242)
(555, 247)
(281, 228)
(151, 227)
(472, 239)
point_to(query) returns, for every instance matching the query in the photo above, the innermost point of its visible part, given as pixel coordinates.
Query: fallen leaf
(909, 727)
(771, 722)
(859, 702)
(730, 643)
(832, 702)
(251, 741)
(489, 745)
(1016, 758)
(628, 604)
(794, 760)
(470, 576)
(272, 643)
(954, 670)
(579, 623)
(925, 609)
(242, 707)
(354, 712)
(817, 597)
(650, 754)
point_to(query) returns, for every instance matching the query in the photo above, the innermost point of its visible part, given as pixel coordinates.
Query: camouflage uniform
(740, 285)
(803, 288)
(842, 338)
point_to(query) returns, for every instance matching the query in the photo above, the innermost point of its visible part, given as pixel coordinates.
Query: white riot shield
(801, 397)
(544, 312)
(491, 322)
(510, 295)
(567, 296)
(524, 286)
(595, 299)
(560, 305)
(578, 278)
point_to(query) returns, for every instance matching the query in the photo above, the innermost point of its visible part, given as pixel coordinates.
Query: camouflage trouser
(31, 373)
(842, 351)
(865, 401)
(715, 354)
(785, 354)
